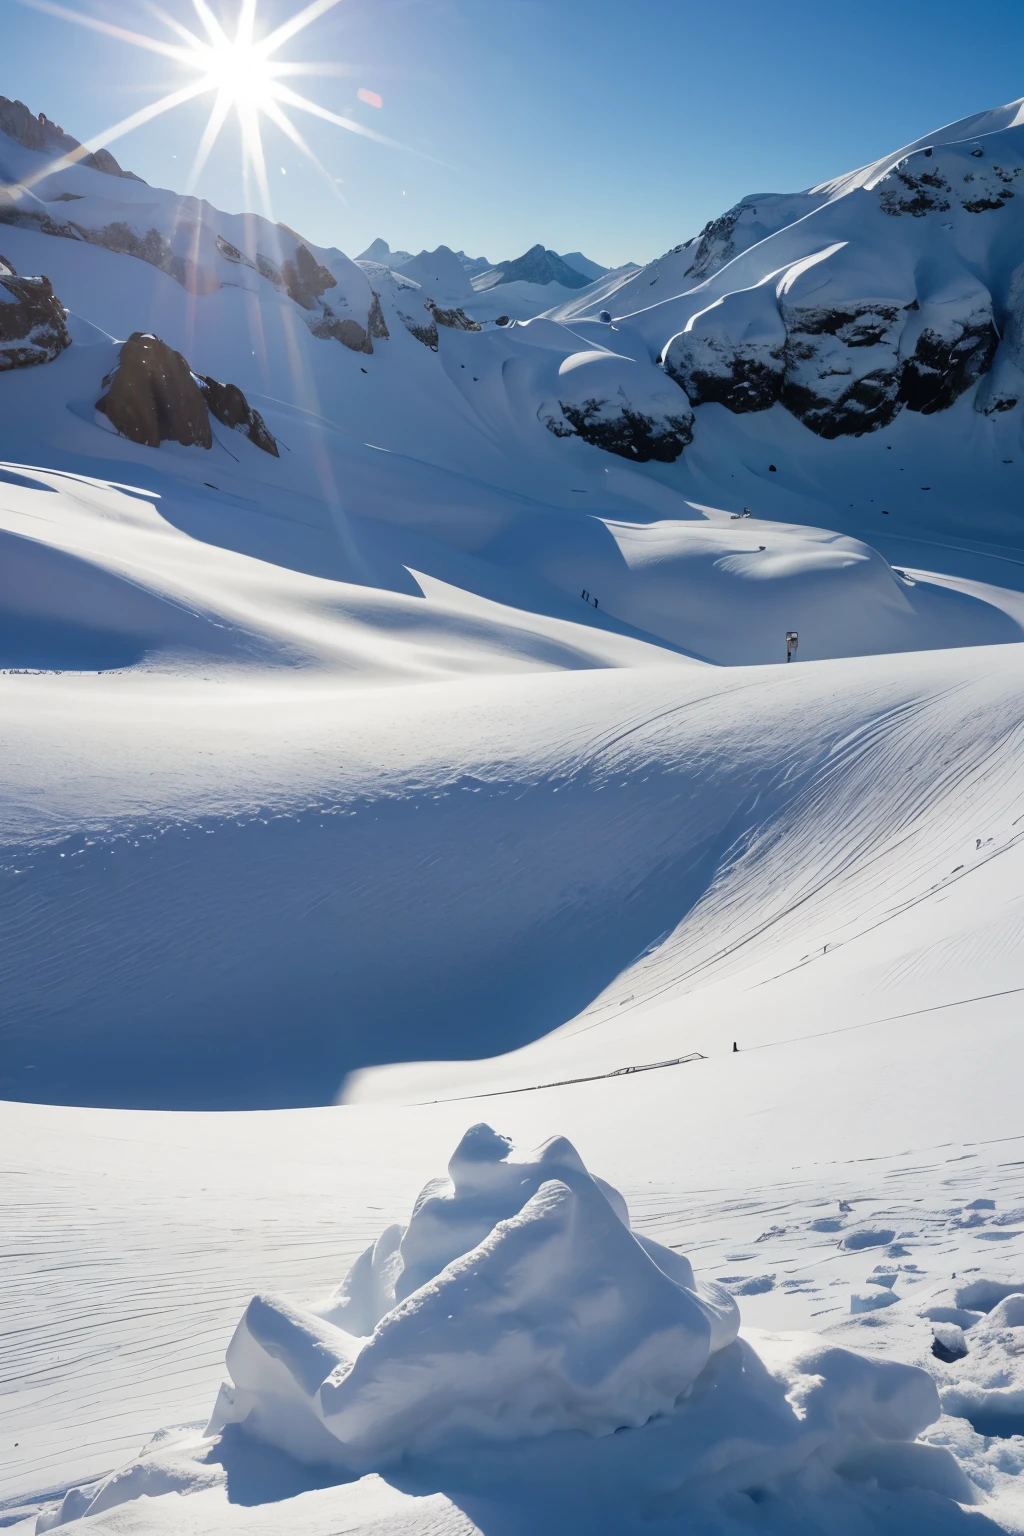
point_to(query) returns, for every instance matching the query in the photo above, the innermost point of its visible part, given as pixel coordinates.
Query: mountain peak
(538, 265)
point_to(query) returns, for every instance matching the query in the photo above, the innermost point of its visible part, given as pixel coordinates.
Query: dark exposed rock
(713, 247)
(232, 409)
(902, 191)
(151, 247)
(152, 396)
(305, 280)
(33, 326)
(939, 370)
(630, 433)
(871, 402)
(376, 325)
(350, 333)
(454, 319)
(711, 370)
(427, 334)
(39, 133)
(265, 267)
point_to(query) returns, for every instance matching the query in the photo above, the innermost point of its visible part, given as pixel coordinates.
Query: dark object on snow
(305, 280)
(605, 317)
(232, 409)
(948, 1343)
(502, 320)
(32, 320)
(771, 469)
(735, 1046)
(152, 396)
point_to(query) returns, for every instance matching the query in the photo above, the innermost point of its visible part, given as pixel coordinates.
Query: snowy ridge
(452, 753)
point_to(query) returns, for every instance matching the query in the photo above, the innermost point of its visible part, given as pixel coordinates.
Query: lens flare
(239, 69)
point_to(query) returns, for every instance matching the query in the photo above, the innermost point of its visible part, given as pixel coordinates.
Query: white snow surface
(447, 768)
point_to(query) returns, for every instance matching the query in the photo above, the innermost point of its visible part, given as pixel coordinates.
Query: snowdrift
(516, 1311)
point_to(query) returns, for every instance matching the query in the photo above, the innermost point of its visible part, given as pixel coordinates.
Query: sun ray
(289, 129)
(215, 122)
(214, 31)
(238, 69)
(123, 34)
(297, 23)
(109, 135)
(246, 28)
(252, 143)
(173, 25)
(293, 99)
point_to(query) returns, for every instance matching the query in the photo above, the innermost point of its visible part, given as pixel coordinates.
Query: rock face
(454, 319)
(619, 405)
(844, 368)
(39, 133)
(153, 397)
(232, 409)
(305, 280)
(33, 327)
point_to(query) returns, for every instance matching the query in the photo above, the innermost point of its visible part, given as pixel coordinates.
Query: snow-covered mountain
(535, 266)
(380, 252)
(896, 287)
(583, 264)
(613, 714)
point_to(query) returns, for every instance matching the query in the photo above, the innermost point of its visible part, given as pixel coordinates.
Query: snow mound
(516, 1305)
(516, 1302)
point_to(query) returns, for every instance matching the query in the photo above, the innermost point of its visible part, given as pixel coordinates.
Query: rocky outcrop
(37, 132)
(915, 188)
(617, 404)
(630, 433)
(328, 326)
(452, 319)
(228, 404)
(149, 246)
(844, 368)
(33, 326)
(305, 280)
(376, 325)
(153, 397)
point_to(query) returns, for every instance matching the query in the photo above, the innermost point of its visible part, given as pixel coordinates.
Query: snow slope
(449, 766)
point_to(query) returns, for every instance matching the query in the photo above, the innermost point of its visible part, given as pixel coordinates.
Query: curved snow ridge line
(841, 830)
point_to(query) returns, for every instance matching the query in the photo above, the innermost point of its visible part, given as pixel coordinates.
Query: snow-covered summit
(536, 265)
(898, 286)
(379, 251)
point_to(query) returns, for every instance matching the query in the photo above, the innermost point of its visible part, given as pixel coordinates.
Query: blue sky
(618, 127)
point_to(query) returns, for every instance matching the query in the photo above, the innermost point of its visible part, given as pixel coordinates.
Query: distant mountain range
(537, 265)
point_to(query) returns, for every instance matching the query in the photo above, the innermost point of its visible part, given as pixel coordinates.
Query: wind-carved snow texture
(518, 1304)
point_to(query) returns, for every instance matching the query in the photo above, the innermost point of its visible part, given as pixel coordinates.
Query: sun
(235, 65)
(239, 70)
